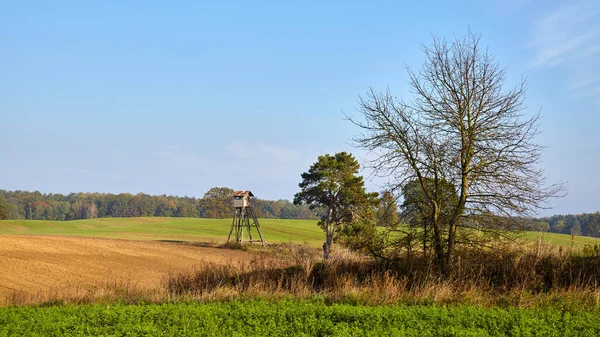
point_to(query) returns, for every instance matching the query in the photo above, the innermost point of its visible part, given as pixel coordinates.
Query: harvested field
(46, 266)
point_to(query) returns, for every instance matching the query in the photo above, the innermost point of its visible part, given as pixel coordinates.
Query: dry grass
(111, 292)
(508, 275)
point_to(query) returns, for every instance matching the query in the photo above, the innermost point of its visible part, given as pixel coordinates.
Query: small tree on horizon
(387, 212)
(333, 184)
(217, 203)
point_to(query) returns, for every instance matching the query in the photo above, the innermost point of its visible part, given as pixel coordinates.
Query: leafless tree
(463, 127)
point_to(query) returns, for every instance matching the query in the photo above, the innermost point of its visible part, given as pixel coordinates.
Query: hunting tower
(242, 218)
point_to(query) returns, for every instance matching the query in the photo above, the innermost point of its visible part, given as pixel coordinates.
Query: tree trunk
(425, 240)
(450, 248)
(327, 244)
(437, 246)
(456, 217)
(437, 239)
(328, 234)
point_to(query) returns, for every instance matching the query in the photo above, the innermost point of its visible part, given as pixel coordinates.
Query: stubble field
(42, 260)
(36, 268)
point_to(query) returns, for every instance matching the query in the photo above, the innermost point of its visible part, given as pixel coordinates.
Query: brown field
(36, 268)
(46, 269)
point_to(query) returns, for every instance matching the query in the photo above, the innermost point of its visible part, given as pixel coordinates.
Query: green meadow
(167, 229)
(210, 230)
(563, 240)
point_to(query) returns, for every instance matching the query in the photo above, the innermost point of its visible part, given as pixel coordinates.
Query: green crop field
(175, 229)
(292, 318)
(205, 230)
(562, 239)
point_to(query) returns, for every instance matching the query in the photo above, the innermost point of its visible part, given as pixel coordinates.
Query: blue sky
(176, 97)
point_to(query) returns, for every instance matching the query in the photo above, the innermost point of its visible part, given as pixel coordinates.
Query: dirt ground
(46, 265)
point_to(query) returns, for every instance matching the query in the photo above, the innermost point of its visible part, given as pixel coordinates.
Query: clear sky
(176, 97)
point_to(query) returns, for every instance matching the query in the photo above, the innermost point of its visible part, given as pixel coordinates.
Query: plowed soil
(32, 264)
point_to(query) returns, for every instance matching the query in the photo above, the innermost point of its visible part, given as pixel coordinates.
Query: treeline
(579, 224)
(216, 203)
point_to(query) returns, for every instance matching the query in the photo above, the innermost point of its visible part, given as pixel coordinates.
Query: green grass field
(562, 239)
(206, 230)
(293, 318)
(175, 229)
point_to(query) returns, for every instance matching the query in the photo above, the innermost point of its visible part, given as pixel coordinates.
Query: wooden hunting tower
(242, 216)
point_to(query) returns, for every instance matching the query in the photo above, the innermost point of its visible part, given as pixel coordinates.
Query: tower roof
(243, 194)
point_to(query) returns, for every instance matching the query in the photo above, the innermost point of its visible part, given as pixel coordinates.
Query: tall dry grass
(110, 292)
(506, 275)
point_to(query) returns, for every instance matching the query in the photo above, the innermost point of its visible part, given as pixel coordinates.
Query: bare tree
(464, 128)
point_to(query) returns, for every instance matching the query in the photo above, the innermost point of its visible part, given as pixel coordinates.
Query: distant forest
(216, 203)
(579, 224)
